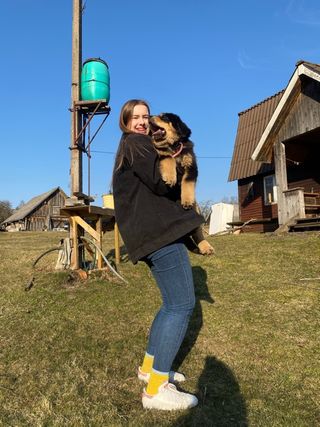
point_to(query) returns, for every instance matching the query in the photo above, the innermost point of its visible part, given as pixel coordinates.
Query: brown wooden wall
(251, 202)
(251, 205)
(309, 185)
(47, 215)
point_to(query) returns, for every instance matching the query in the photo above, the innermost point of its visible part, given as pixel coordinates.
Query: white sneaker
(168, 398)
(174, 377)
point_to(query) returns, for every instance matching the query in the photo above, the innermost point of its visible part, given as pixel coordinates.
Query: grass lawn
(69, 350)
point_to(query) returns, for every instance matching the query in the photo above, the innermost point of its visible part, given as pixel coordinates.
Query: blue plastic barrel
(95, 80)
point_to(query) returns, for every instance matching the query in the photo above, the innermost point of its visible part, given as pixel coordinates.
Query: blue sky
(204, 60)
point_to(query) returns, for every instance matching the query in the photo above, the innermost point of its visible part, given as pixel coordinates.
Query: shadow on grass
(196, 321)
(124, 258)
(221, 403)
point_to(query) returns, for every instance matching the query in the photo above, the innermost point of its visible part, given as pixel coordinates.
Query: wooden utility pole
(76, 125)
(76, 118)
(82, 216)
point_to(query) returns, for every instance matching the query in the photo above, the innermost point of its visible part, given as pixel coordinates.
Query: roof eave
(263, 151)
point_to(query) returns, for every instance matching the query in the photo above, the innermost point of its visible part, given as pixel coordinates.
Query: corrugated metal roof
(30, 206)
(251, 125)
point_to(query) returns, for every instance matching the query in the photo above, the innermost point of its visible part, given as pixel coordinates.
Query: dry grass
(69, 350)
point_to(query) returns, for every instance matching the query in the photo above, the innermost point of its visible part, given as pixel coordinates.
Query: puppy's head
(168, 129)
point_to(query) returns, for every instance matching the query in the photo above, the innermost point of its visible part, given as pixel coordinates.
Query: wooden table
(78, 217)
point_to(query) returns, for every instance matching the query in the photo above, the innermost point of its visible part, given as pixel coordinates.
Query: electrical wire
(198, 157)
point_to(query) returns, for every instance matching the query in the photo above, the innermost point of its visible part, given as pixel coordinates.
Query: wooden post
(74, 234)
(76, 117)
(117, 243)
(76, 123)
(99, 232)
(281, 179)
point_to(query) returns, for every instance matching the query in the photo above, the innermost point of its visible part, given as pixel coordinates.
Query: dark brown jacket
(148, 212)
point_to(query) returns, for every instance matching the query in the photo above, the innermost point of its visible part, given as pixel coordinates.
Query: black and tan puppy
(170, 136)
(171, 140)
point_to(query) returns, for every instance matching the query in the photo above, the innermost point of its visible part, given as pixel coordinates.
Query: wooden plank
(312, 207)
(307, 194)
(307, 225)
(295, 204)
(235, 223)
(117, 243)
(87, 103)
(93, 106)
(99, 232)
(86, 227)
(101, 211)
(83, 196)
(87, 211)
(312, 219)
(75, 249)
(281, 179)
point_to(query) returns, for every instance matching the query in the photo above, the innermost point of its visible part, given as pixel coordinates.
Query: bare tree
(5, 210)
(232, 200)
(205, 208)
(22, 203)
(206, 205)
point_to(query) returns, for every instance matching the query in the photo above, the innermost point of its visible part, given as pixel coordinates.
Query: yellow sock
(156, 380)
(147, 363)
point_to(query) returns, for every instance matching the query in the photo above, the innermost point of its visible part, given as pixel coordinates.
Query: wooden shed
(40, 213)
(276, 156)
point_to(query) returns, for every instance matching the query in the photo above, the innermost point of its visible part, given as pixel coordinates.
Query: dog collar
(178, 152)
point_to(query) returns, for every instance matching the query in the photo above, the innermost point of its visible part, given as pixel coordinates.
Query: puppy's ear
(181, 128)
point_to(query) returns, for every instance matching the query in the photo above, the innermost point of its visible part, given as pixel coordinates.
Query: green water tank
(95, 80)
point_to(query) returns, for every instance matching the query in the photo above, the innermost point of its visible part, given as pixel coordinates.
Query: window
(250, 191)
(270, 190)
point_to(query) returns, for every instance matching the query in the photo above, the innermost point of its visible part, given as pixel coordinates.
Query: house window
(270, 190)
(250, 191)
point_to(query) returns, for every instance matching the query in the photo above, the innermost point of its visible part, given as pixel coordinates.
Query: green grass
(69, 350)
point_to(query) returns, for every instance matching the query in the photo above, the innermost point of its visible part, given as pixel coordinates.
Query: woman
(152, 224)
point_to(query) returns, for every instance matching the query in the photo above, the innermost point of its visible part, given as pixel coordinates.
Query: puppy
(170, 136)
(171, 140)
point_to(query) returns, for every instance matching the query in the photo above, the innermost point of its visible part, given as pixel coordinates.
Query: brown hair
(127, 113)
(125, 116)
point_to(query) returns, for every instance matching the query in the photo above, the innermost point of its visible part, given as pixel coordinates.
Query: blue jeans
(171, 269)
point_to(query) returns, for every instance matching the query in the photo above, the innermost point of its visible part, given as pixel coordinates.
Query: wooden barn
(40, 213)
(277, 154)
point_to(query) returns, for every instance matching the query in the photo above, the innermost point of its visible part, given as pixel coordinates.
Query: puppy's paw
(205, 248)
(169, 179)
(187, 202)
(187, 193)
(168, 171)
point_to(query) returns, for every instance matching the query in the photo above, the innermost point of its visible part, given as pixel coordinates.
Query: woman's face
(139, 122)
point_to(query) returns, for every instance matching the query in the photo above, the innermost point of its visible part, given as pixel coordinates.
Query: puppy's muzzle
(158, 133)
